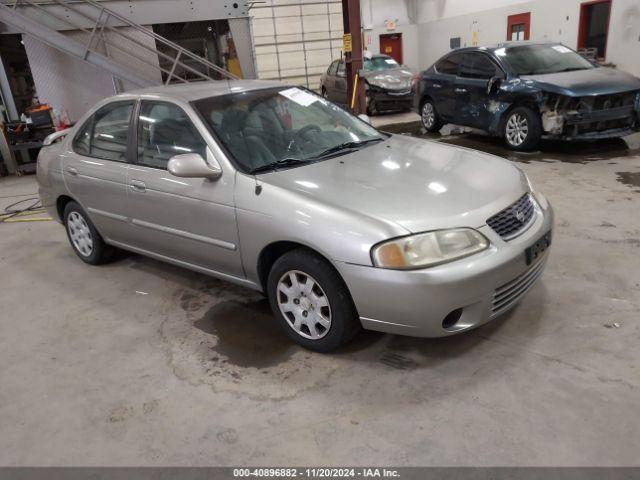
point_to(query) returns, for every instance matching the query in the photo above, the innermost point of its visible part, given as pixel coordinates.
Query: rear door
(95, 167)
(330, 79)
(190, 220)
(442, 84)
(472, 97)
(340, 89)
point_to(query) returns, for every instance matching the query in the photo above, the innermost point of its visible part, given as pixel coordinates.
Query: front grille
(508, 294)
(514, 218)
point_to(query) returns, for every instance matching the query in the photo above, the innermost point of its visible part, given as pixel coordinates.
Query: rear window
(449, 65)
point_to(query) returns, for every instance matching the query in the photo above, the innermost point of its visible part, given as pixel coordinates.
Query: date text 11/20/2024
(315, 473)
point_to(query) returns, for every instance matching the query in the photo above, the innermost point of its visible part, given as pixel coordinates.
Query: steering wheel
(309, 128)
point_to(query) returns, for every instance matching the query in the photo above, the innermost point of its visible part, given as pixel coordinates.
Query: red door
(518, 26)
(594, 26)
(391, 44)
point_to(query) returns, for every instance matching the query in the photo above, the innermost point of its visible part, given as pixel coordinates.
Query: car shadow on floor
(581, 152)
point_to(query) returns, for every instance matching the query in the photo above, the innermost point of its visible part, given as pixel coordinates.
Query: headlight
(428, 249)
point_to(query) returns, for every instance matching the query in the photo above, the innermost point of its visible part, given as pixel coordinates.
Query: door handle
(461, 90)
(437, 85)
(137, 186)
(72, 171)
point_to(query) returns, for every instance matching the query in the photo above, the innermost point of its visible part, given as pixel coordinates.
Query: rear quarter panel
(50, 178)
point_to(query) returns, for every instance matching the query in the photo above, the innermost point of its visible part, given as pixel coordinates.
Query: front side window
(479, 66)
(284, 124)
(449, 65)
(164, 130)
(333, 68)
(105, 134)
(543, 59)
(341, 69)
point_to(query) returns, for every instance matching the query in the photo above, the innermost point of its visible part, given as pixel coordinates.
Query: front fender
(267, 214)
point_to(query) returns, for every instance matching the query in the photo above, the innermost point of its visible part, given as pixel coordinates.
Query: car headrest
(233, 121)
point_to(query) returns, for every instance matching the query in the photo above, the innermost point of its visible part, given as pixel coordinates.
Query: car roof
(196, 90)
(496, 46)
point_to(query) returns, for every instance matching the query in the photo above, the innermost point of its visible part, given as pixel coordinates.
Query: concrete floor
(142, 363)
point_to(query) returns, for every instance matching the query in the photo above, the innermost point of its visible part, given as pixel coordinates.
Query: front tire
(429, 115)
(84, 238)
(311, 301)
(522, 129)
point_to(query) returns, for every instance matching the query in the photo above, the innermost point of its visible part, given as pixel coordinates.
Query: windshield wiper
(347, 146)
(283, 162)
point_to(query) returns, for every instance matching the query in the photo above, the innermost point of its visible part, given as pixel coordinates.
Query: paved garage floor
(139, 362)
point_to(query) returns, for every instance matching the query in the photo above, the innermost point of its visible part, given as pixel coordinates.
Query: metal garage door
(295, 41)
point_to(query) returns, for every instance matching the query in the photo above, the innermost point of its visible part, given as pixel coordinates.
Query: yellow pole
(353, 95)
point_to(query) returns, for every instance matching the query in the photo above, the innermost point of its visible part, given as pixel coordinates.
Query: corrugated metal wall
(68, 83)
(295, 41)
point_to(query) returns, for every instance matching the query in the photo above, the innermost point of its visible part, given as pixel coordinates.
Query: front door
(95, 168)
(472, 96)
(391, 44)
(190, 220)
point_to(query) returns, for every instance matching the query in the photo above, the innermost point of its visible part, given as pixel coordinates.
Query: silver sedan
(275, 188)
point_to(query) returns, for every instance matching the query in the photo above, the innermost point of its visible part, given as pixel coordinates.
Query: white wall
(375, 14)
(553, 20)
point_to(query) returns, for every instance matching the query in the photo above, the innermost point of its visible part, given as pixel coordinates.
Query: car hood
(581, 83)
(393, 79)
(418, 184)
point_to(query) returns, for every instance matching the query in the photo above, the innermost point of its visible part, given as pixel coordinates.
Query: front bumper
(484, 286)
(389, 100)
(611, 123)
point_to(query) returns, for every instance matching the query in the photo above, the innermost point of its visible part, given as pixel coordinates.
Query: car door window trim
(135, 128)
(91, 120)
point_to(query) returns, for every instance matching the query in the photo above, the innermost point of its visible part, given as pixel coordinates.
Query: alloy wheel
(304, 304)
(80, 234)
(428, 115)
(517, 129)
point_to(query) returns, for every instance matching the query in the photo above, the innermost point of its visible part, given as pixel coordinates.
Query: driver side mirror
(192, 165)
(493, 84)
(365, 118)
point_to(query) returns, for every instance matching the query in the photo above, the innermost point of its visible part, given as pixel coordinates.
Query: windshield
(379, 63)
(282, 126)
(541, 59)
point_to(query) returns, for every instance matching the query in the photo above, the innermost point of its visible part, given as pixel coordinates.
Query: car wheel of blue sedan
(522, 129)
(430, 118)
(311, 301)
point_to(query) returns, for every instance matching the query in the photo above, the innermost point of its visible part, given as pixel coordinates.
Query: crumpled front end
(590, 117)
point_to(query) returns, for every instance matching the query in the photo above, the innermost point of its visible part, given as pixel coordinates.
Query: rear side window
(105, 134)
(477, 65)
(165, 130)
(449, 65)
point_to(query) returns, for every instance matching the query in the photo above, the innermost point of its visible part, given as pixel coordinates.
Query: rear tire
(431, 121)
(84, 238)
(311, 301)
(522, 129)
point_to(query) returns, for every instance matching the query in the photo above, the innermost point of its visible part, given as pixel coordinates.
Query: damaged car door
(442, 85)
(476, 90)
